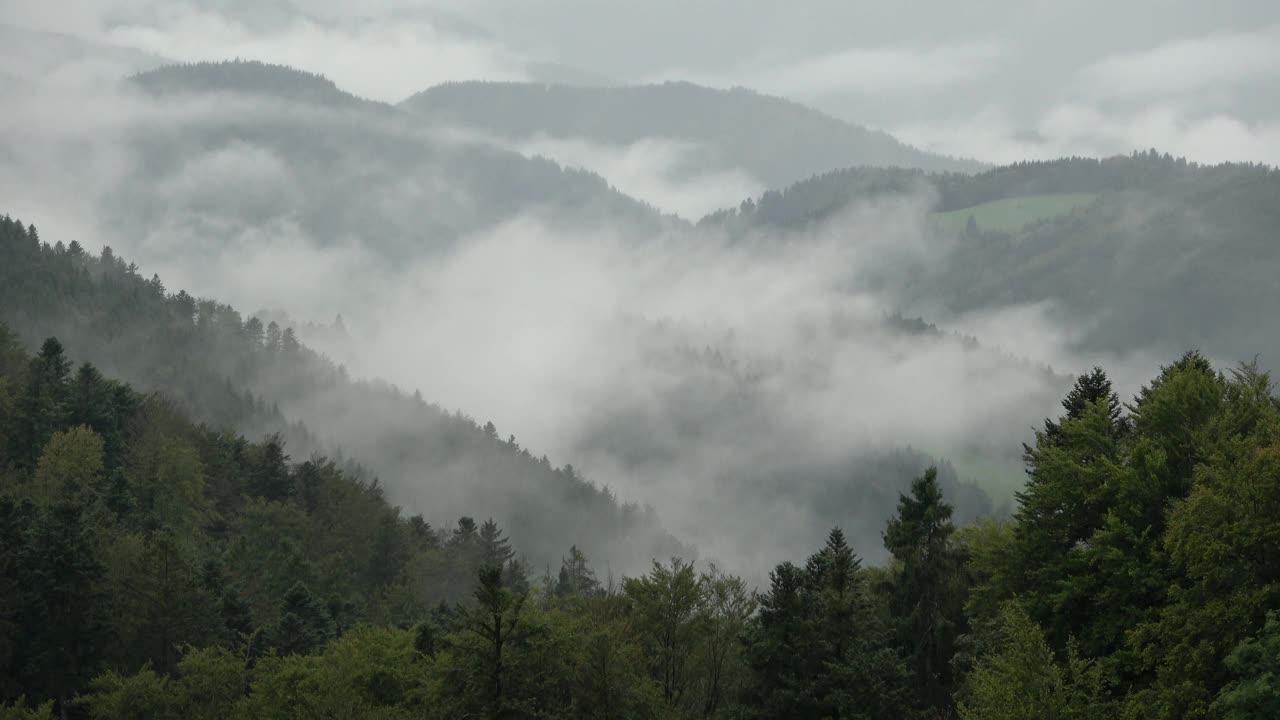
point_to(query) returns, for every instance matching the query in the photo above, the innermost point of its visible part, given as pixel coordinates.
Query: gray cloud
(1083, 129)
(651, 171)
(877, 71)
(380, 55)
(1187, 65)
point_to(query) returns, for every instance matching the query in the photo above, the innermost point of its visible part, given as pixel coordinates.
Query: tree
(18, 710)
(142, 696)
(65, 636)
(667, 603)
(728, 607)
(928, 590)
(1255, 663)
(158, 599)
(273, 338)
(502, 661)
(253, 332)
(289, 343)
(1076, 471)
(167, 474)
(70, 467)
(304, 625)
(42, 407)
(1021, 680)
(1221, 543)
(819, 647)
(576, 577)
(103, 406)
(494, 548)
(270, 476)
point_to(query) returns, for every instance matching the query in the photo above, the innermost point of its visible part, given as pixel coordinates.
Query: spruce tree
(927, 592)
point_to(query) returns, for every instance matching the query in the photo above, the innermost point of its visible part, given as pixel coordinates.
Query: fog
(730, 382)
(649, 170)
(997, 80)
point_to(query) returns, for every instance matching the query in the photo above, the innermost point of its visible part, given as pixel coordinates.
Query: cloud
(651, 170)
(1082, 129)
(880, 71)
(385, 56)
(1186, 65)
(877, 71)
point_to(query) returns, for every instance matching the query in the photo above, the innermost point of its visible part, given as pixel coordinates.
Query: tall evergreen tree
(927, 593)
(43, 405)
(576, 577)
(820, 648)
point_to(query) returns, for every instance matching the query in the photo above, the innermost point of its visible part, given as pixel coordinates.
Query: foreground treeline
(152, 568)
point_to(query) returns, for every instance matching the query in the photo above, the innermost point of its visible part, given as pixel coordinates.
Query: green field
(999, 478)
(1013, 214)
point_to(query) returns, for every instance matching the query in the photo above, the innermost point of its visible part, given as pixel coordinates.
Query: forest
(159, 565)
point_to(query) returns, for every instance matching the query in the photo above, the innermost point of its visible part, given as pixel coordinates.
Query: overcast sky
(996, 79)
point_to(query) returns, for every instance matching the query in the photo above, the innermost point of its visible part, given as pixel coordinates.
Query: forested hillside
(1155, 251)
(155, 568)
(237, 374)
(252, 78)
(776, 141)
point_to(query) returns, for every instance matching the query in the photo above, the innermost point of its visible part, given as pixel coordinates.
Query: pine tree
(43, 406)
(819, 647)
(304, 625)
(576, 577)
(494, 548)
(927, 592)
(270, 476)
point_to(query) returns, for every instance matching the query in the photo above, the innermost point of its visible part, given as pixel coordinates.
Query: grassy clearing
(1013, 214)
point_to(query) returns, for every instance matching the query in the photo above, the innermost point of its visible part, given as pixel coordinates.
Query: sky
(998, 80)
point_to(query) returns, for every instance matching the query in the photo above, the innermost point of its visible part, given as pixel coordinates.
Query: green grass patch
(999, 479)
(1012, 214)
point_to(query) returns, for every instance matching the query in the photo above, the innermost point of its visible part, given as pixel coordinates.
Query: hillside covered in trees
(1154, 251)
(775, 141)
(237, 374)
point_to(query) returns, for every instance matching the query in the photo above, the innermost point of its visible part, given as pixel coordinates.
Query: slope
(1170, 254)
(430, 460)
(233, 152)
(774, 140)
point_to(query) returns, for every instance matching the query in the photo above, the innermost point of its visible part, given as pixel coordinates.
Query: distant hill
(338, 167)
(777, 141)
(250, 77)
(1154, 251)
